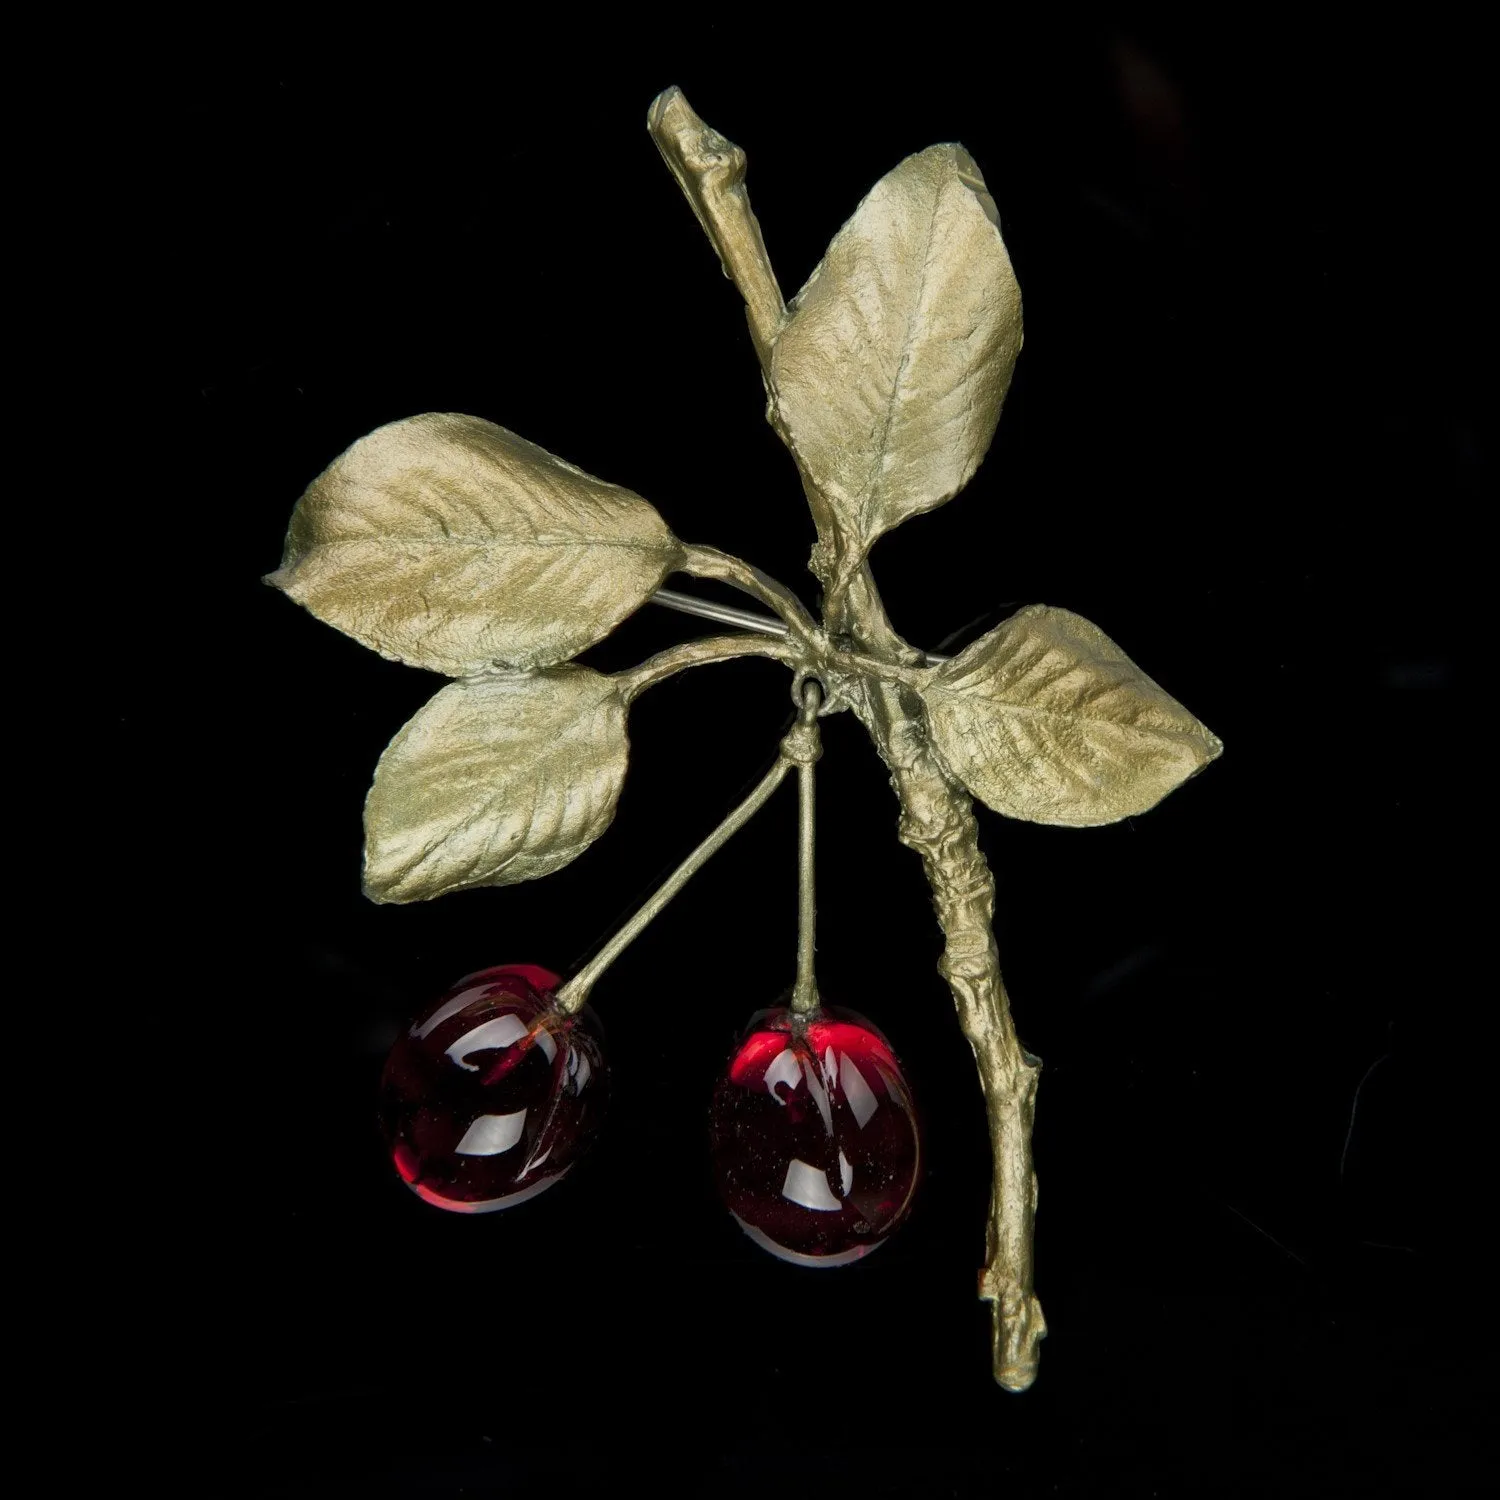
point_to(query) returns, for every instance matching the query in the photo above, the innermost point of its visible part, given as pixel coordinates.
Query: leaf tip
(381, 887)
(966, 169)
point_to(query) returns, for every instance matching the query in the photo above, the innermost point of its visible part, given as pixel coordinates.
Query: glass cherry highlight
(816, 1144)
(494, 1093)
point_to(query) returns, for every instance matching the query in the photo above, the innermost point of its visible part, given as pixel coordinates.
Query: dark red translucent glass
(815, 1138)
(493, 1093)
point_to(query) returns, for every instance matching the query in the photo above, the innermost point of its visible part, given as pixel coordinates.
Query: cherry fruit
(494, 1093)
(815, 1138)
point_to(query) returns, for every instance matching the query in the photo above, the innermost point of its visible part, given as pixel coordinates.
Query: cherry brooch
(448, 543)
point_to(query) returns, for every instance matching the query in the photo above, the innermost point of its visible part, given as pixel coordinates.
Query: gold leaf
(889, 373)
(1046, 719)
(496, 780)
(447, 542)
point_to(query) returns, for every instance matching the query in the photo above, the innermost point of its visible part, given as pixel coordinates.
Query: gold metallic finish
(575, 993)
(937, 821)
(801, 749)
(1046, 719)
(711, 173)
(709, 562)
(447, 542)
(701, 653)
(807, 749)
(889, 373)
(495, 780)
(886, 383)
(452, 544)
(744, 619)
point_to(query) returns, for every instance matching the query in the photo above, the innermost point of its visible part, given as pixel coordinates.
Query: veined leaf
(1046, 719)
(447, 542)
(496, 780)
(889, 373)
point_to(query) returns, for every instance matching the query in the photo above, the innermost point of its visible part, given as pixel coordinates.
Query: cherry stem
(805, 992)
(575, 993)
(801, 748)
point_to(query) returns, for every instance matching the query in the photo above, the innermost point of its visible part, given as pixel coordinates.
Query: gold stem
(714, 648)
(710, 170)
(859, 611)
(709, 562)
(937, 821)
(700, 653)
(937, 816)
(575, 993)
(805, 992)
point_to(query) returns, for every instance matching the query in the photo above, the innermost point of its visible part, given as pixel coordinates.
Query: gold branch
(702, 653)
(710, 170)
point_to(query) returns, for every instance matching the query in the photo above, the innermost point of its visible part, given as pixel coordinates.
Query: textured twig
(937, 817)
(937, 821)
(710, 170)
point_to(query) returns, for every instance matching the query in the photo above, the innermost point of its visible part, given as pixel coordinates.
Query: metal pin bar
(745, 619)
(723, 614)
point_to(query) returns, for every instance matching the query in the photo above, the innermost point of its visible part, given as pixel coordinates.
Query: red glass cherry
(816, 1145)
(494, 1093)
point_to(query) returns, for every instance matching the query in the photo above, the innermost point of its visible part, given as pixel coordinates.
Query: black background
(1244, 438)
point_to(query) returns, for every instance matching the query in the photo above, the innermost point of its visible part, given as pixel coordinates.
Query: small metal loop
(803, 744)
(807, 685)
